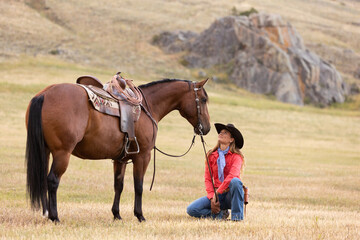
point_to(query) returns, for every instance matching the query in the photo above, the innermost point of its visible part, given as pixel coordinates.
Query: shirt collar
(216, 154)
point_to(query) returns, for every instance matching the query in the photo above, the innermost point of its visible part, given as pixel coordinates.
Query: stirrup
(127, 146)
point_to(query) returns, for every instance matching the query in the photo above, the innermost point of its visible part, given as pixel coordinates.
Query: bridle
(197, 101)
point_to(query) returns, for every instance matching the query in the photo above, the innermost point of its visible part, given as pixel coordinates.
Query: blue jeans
(234, 200)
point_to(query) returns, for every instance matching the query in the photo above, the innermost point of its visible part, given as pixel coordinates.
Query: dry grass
(302, 170)
(91, 221)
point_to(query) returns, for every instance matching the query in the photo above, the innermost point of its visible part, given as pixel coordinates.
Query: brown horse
(61, 121)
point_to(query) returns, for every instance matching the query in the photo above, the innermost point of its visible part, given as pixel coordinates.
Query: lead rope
(170, 155)
(211, 176)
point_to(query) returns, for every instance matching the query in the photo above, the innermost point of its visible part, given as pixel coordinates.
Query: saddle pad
(104, 104)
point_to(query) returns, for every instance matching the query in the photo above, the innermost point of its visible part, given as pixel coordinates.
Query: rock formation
(262, 54)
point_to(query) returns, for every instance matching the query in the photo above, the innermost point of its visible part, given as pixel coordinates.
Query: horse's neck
(164, 98)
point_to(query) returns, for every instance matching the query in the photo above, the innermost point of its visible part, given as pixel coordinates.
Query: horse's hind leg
(119, 173)
(58, 167)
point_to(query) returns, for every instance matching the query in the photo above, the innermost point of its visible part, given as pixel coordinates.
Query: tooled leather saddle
(115, 99)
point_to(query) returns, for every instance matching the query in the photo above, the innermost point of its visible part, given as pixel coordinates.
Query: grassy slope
(302, 162)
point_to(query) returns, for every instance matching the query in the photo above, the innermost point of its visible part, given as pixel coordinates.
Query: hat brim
(235, 133)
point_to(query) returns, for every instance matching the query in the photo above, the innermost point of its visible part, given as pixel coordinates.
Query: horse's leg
(140, 166)
(119, 173)
(58, 167)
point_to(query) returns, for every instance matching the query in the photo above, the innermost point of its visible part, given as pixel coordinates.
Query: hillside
(118, 35)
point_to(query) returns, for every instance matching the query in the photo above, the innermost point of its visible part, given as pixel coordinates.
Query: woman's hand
(215, 205)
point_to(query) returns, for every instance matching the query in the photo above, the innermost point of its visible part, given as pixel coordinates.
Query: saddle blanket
(105, 103)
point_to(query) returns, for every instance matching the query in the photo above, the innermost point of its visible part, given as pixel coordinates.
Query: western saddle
(114, 98)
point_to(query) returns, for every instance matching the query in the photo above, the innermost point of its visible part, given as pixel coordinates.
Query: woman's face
(225, 137)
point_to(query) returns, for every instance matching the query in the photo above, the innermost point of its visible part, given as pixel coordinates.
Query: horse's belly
(96, 150)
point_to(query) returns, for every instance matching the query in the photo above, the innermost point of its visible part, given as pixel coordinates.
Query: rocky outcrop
(262, 54)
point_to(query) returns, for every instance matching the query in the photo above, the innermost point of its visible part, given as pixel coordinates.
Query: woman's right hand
(215, 206)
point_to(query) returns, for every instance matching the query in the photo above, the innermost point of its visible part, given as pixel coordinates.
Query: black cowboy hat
(235, 133)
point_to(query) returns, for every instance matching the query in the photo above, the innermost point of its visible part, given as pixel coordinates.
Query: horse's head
(194, 108)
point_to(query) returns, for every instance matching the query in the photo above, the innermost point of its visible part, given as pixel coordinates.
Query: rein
(208, 164)
(176, 156)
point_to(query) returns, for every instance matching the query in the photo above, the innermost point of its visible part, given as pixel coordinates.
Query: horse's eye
(203, 100)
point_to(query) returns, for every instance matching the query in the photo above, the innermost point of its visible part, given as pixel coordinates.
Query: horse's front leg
(140, 165)
(119, 173)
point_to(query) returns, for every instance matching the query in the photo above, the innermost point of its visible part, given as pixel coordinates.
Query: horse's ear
(202, 83)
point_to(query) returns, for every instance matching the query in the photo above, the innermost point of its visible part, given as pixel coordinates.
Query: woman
(226, 164)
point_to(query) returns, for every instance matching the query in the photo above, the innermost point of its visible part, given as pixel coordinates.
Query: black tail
(35, 159)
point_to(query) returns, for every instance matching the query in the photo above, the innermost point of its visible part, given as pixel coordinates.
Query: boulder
(263, 54)
(172, 42)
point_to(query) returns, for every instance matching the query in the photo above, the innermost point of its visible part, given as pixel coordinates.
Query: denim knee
(190, 211)
(235, 183)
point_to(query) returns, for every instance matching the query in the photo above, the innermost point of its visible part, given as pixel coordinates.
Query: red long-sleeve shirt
(232, 169)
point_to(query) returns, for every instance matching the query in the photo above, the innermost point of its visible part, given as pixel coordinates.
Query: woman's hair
(233, 149)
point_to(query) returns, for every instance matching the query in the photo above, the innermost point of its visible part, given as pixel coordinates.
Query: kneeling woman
(226, 164)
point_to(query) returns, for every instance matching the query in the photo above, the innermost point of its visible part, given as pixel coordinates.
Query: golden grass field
(302, 171)
(302, 163)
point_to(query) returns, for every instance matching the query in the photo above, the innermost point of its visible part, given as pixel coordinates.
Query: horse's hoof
(141, 218)
(54, 220)
(117, 217)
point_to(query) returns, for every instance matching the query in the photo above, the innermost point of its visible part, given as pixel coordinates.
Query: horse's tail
(35, 158)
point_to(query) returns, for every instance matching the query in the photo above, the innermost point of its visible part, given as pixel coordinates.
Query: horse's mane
(168, 80)
(162, 81)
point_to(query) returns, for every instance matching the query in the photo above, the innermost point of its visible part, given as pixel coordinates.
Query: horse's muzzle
(200, 130)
